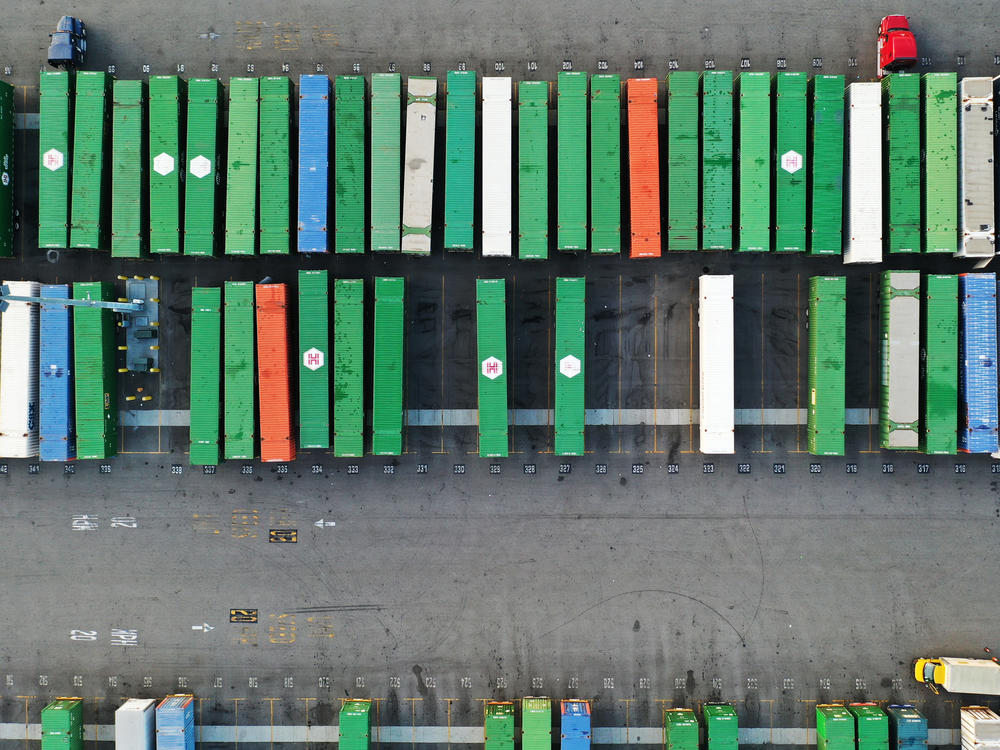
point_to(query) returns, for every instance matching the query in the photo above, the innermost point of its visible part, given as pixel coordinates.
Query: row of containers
(755, 162)
(142, 724)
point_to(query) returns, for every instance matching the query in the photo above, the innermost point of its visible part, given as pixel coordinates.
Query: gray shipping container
(135, 724)
(975, 146)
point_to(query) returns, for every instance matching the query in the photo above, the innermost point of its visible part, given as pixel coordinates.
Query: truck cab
(68, 43)
(897, 47)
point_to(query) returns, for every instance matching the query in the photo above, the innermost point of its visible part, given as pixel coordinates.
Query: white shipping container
(135, 725)
(716, 364)
(901, 362)
(975, 146)
(979, 676)
(497, 171)
(418, 165)
(980, 728)
(864, 173)
(19, 374)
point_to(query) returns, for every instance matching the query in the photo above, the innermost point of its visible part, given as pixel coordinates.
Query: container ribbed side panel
(901, 162)
(790, 162)
(275, 165)
(203, 182)
(355, 724)
(863, 201)
(460, 161)
(206, 376)
(350, 164)
(533, 169)
(499, 725)
(128, 157)
(939, 148)
(976, 199)
(536, 723)
(277, 438)
(717, 160)
(55, 137)
(899, 413)
(682, 161)
(644, 168)
(826, 176)
(570, 367)
(238, 359)
(57, 432)
(314, 163)
(939, 383)
(166, 163)
(977, 385)
(491, 336)
(19, 374)
(497, 173)
(95, 376)
(827, 354)
(571, 113)
(314, 359)
(387, 370)
(605, 164)
(241, 173)
(349, 367)
(89, 225)
(754, 165)
(418, 161)
(386, 169)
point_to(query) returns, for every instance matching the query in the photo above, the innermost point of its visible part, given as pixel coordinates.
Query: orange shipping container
(644, 168)
(276, 438)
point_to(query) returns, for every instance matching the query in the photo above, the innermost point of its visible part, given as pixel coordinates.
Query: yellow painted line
(97, 727)
(413, 720)
(449, 702)
(271, 702)
(27, 699)
(236, 719)
(306, 700)
(628, 705)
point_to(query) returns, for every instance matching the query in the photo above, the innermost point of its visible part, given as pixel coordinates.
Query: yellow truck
(957, 675)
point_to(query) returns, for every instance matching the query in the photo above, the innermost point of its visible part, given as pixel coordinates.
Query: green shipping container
(899, 411)
(386, 173)
(939, 146)
(827, 346)
(901, 161)
(605, 163)
(206, 375)
(871, 726)
(754, 166)
(571, 111)
(387, 371)
(533, 169)
(95, 375)
(241, 171)
(90, 222)
(239, 406)
(314, 359)
(682, 161)
(349, 164)
(491, 327)
(834, 728)
(680, 729)
(355, 724)
(6, 170)
(939, 360)
(349, 367)
(460, 161)
(826, 186)
(721, 726)
(717, 160)
(790, 166)
(536, 724)
(203, 185)
(275, 165)
(128, 160)
(166, 163)
(499, 729)
(63, 716)
(571, 345)
(55, 136)
(63, 741)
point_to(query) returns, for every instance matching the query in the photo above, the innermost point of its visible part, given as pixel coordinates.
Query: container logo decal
(53, 159)
(313, 359)
(163, 164)
(569, 366)
(200, 166)
(791, 161)
(492, 368)
(5, 179)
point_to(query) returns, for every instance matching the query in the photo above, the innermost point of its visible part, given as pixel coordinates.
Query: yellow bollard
(130, 398)
(154, 369)
(123, 348)
(147, 398)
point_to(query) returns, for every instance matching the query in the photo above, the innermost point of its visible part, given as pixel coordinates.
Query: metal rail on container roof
(6, 297)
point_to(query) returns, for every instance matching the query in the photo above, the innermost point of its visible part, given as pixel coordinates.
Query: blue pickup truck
(69, 43)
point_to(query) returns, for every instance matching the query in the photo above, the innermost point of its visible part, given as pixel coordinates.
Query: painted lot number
(743, 468)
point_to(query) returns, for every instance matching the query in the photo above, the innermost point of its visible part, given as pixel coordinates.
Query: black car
(69, 43)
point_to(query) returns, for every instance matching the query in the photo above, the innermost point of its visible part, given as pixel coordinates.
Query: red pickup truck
(897, 47)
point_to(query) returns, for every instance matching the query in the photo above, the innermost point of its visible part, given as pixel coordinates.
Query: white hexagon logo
(200, 166)
(163, 164)
(492, 368)
(53, 159)
(569, 366)
(313, 359)
(791, 161)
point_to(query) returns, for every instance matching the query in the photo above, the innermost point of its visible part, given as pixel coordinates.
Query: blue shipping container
(57, 441)
(977, 382)
(575, 728)
(175, 713)
(907, 727)
(314, 152)
(175, 740)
